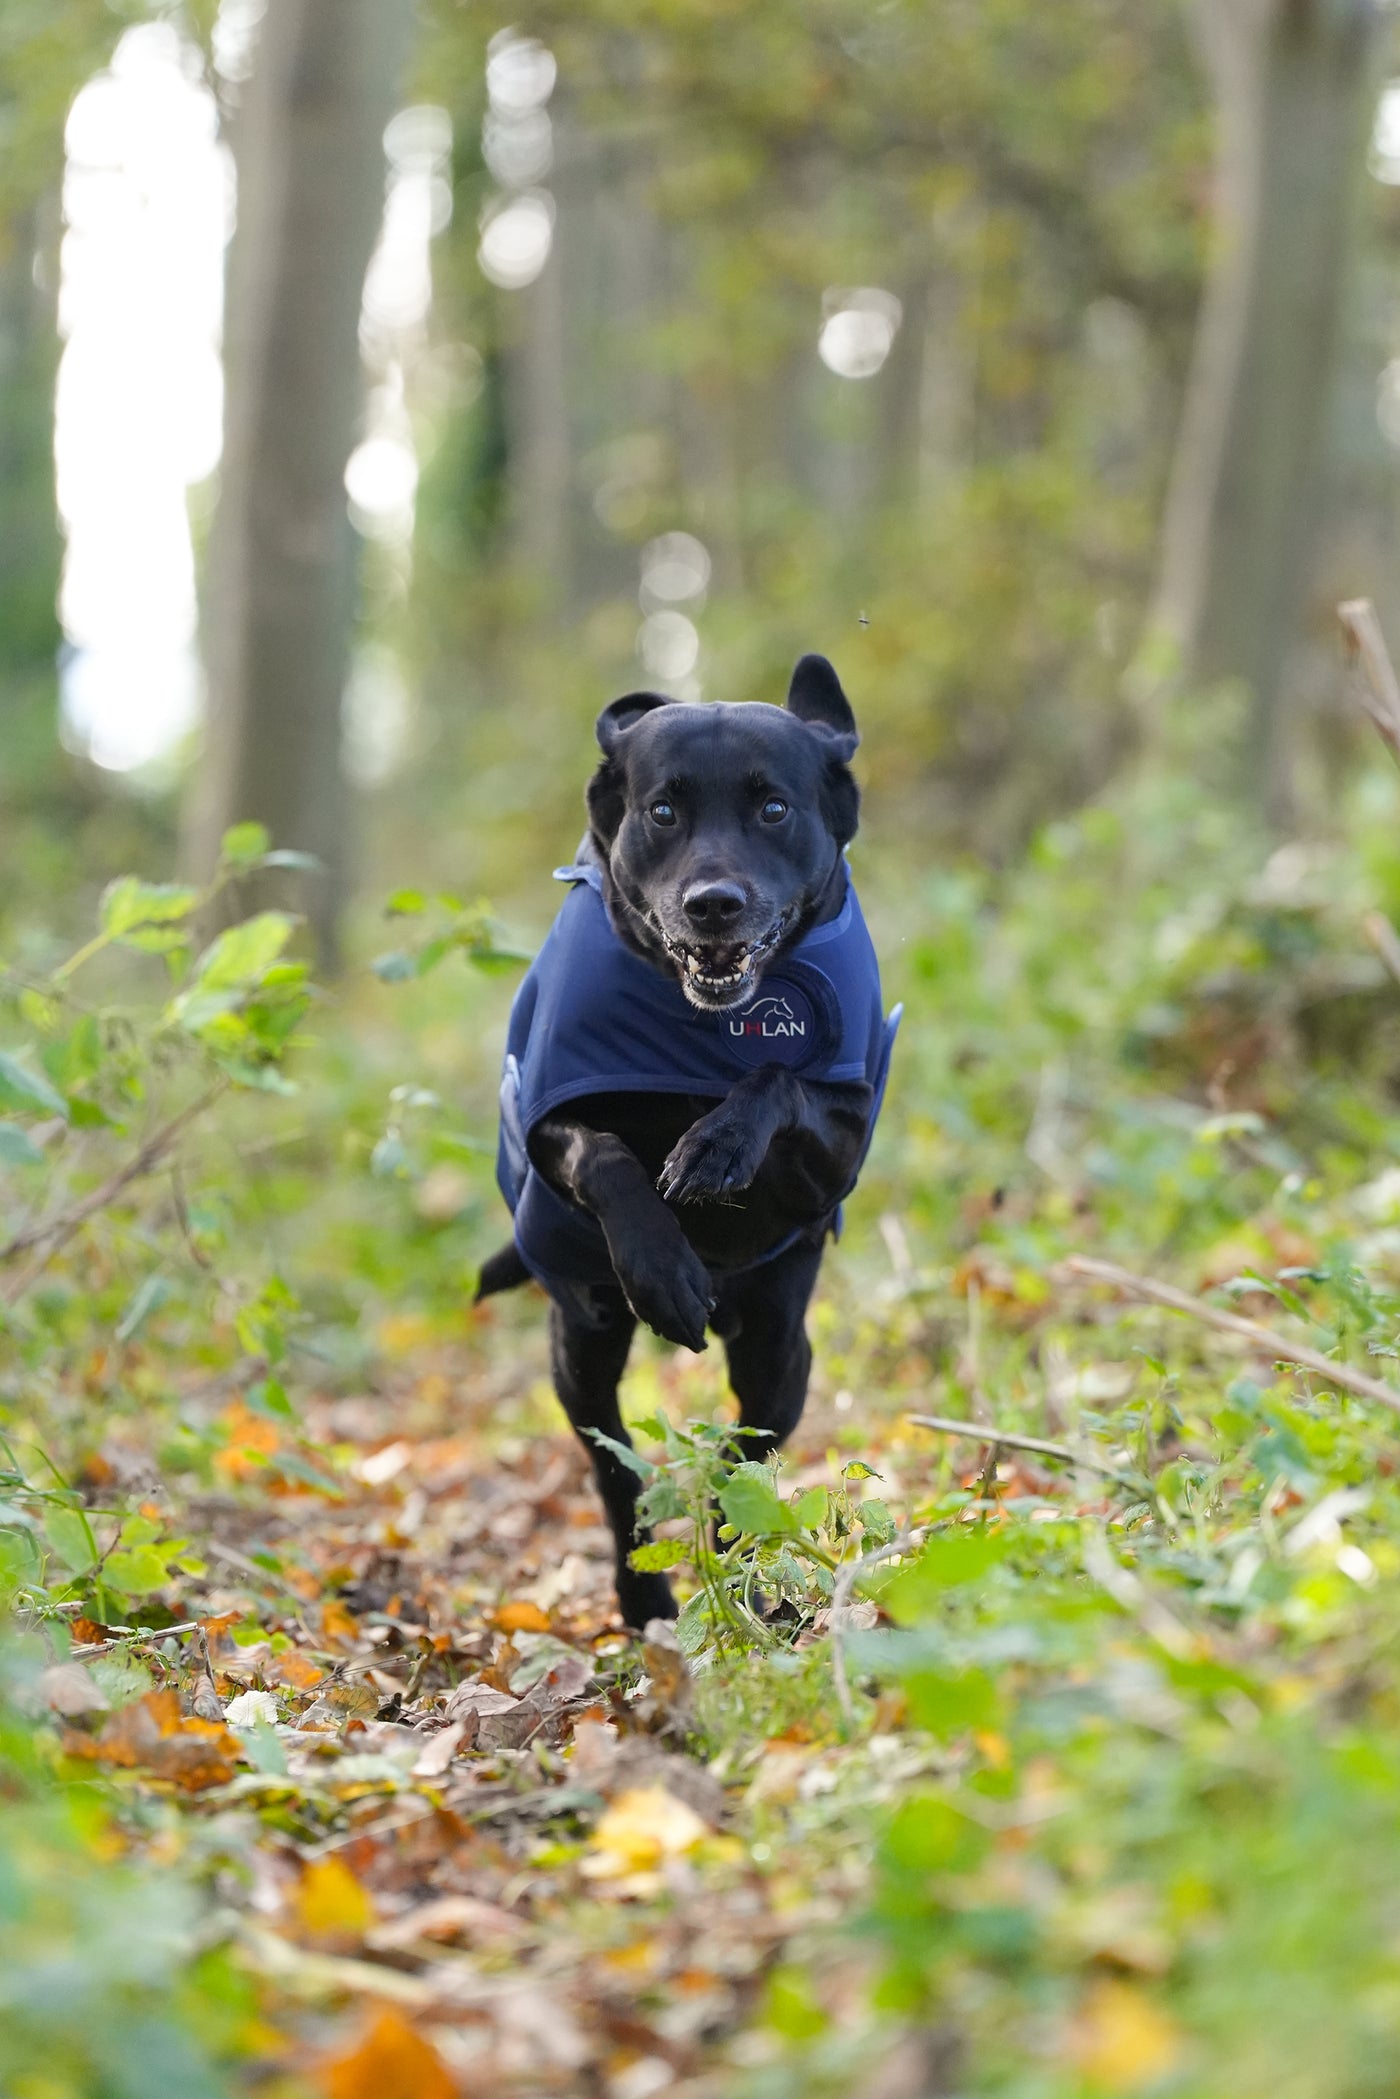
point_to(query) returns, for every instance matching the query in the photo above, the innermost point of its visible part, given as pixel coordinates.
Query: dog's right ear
(624, 714)
(607, 799)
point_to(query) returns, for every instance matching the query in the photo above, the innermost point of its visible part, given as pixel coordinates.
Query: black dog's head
(721, 827)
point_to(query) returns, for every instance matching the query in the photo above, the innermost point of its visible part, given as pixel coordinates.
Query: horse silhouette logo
(771, 1018)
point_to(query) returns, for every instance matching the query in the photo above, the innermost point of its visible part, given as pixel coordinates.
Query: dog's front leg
(662, 1277)
(721, 1154)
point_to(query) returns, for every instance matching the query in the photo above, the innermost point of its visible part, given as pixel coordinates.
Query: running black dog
(695, 1062)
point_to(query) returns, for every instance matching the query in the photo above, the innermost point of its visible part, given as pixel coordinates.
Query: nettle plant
(765, 1565)
(99, 1093)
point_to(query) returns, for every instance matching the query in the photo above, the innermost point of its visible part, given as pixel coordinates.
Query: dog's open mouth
(717, 976)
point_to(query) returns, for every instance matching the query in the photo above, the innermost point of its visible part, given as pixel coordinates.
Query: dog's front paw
(667, 1285)
(718, 1156)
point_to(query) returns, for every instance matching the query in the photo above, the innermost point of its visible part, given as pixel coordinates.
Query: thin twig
(1131, 1593)
(975, 1433)
(55, 1235)
(1080, 1267)
(1374, 681)
(846, 1579)
(133, 1636)
(1384, 939)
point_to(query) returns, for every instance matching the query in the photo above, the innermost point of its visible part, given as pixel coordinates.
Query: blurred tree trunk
(1293, 86)
(280, 592)
(30, 549)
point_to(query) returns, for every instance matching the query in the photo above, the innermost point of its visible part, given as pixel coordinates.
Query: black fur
(686, 1191)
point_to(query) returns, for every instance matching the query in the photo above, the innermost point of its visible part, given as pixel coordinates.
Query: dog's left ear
(815, 697)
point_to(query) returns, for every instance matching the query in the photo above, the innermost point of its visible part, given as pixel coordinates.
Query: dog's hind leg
(588, 1362)
(761, 1318)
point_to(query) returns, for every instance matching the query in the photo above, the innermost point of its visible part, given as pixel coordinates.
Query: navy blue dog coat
(593, 1017)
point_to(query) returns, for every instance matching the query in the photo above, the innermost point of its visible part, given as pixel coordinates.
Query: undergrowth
(1048, 1772)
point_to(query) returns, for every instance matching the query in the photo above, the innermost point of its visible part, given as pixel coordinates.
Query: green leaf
(405, 903)
(129, 903)
(243, 954)
(16, 1148)
(751, 1504)
(394, 968)
(944, 1563)
(28, 1089)
(264, 1747)
(876, 1521)
(153, 1293)
(291, 1466)
(136, 1573)
(858, 1470)
(949, 1702)
(810, 1510)
(657, 1557)
(70, 1534)
(269, 1396)
(244, 844)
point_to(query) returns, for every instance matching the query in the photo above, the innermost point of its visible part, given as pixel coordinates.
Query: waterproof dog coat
(593, 1017)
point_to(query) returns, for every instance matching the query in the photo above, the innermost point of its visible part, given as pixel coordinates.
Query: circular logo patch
(778, 1026)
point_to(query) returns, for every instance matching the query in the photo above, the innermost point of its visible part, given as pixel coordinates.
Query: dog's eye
(773, 810)
(662, 813)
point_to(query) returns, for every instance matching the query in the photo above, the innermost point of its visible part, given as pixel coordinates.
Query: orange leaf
(295, 1670)
(391, 2062)
(330, 1901)
(520, 1618)
(337, 1623)
(150, 1734)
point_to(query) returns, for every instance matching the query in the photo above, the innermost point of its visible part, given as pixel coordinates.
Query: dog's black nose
(711, 906)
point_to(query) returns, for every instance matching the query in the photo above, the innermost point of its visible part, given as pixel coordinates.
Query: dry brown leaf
(391, 2062)
(441, 1748)
(448, 1917)
(479, 1698)
(68, 1690)
(151, 1734)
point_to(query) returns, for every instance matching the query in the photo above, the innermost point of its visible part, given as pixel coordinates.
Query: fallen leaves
(392, 2061)
(331, 1904)
(151, 1734)
(1120, 2041)
(641, 1832)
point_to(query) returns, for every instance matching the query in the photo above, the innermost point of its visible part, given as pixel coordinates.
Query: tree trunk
(281, 573)
(1293, 87)
(30, 548)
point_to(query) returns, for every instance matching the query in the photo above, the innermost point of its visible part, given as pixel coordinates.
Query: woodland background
(384, 388)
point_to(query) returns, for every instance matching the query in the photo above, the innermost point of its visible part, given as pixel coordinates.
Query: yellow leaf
(1121, 2041)
(641, 1830)
(520, 1618)
(391, 2062)
(330, 1901)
